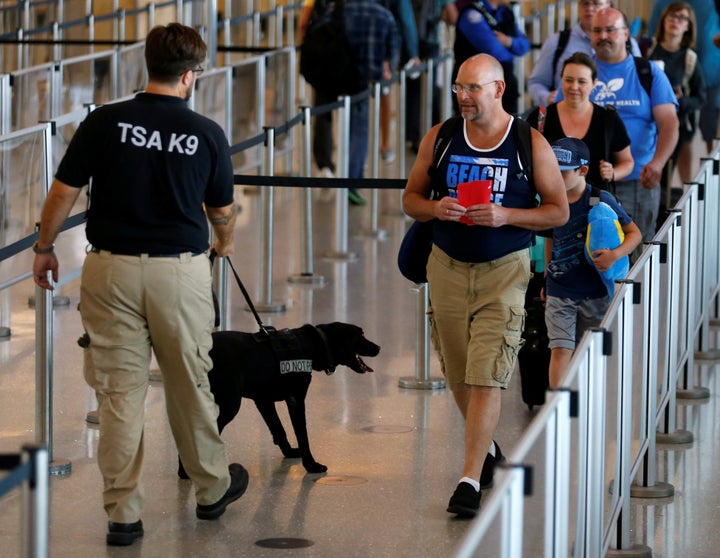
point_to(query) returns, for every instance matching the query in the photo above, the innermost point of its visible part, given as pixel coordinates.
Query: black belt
(136, 255)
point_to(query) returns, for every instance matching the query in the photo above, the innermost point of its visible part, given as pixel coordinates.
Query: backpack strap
(563, 39)
(644, 71)
(594, 195)
(442, 142)
(523, 137)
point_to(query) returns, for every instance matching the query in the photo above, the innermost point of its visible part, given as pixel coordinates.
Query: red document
(473, 193)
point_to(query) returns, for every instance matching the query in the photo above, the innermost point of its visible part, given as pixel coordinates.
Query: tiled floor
(393, 454)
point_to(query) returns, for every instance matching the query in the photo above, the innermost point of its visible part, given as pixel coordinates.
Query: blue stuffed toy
(604, 232)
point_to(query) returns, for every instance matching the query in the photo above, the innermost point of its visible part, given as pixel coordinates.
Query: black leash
(265, 329)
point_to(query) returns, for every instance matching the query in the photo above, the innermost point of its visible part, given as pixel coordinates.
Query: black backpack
(326, 59)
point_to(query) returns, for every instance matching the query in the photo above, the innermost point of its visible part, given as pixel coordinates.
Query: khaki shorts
(477, 313)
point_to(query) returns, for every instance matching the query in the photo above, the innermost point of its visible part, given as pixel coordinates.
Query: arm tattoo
(224, 220)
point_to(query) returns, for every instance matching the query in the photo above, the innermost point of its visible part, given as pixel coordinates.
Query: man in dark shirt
(158, 171)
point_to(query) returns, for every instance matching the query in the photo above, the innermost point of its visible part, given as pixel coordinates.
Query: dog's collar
(330, 368)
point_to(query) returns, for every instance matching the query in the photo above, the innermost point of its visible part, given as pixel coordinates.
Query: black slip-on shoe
(123, 534)
(488, 471)
(465, 501)
(238, 484)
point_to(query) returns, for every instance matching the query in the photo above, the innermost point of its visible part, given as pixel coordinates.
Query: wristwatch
(38, 250)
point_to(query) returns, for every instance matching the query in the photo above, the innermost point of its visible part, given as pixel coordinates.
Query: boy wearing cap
(576, 297)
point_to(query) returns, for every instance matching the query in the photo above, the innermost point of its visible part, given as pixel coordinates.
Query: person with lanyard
(489, 26)
(157, 173)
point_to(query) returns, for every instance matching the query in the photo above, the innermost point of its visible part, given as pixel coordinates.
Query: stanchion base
(306, 279)
(60, 467)
(677, 437)
(92, 417)
(155, 376)
(658, 490)
(380, 234)
(343, 256)
(272, 307)
(61, 301)
(639, 550)
(712, 354)
(5, 332)
(57, 301)
(698, 392)
(410, 382)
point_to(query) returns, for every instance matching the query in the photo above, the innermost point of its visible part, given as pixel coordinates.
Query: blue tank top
(462, 162)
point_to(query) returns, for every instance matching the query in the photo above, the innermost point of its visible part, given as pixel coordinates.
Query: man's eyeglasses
(608, 30)
(678, 17)
(198, 70)
(469, 89)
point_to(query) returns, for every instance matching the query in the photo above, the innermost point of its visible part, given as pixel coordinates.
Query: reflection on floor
(393, 454)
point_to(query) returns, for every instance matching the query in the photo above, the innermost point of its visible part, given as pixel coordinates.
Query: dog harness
(286, 349)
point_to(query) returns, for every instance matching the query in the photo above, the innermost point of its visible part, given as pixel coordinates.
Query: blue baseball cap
(571, 153)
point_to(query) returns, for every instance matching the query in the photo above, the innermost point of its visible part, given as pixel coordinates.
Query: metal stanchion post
(374, 231)
(43, 377)
(267, 195)
(422, 379)
(341, 200)
(35, 514)
(306, 275)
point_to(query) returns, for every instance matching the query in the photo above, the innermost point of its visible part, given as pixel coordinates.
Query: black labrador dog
(276, 366)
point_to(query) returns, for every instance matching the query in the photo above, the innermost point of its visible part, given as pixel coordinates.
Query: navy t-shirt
(151, 163)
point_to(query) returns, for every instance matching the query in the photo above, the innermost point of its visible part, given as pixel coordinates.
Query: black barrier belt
(25, 243)
(221, 48)
(111, 42)
(308, 182)
(14, 478)
(68, 42)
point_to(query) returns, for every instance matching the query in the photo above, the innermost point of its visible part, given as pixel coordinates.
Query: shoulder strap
(609, 130)
(523, 136)
(594, 195)
(644, 71)
(491, 19)
(690, 61)
(442, 141)
(563, 39)
(444, 135)
(542, 113)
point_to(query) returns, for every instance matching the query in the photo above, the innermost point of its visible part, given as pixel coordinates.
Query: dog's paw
(315, 467)
(291, 453)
